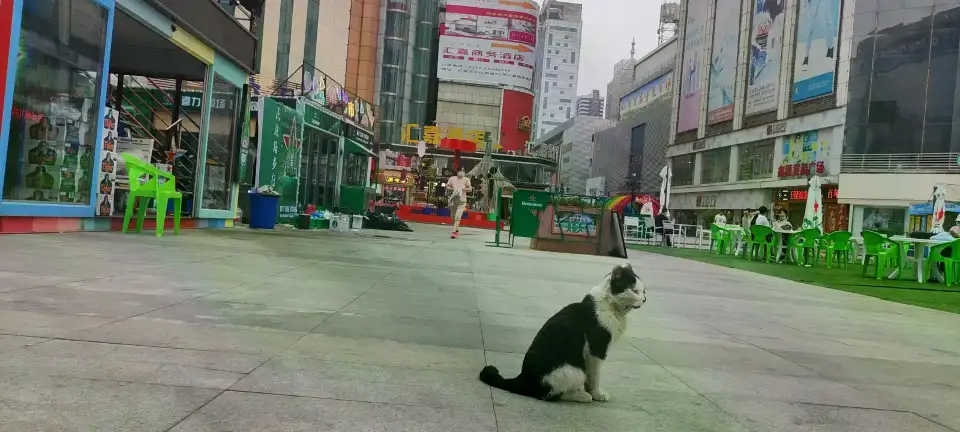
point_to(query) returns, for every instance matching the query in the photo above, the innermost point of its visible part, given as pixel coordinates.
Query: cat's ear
(622, 279)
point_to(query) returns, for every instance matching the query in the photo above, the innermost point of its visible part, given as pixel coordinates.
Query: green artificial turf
(928, 295)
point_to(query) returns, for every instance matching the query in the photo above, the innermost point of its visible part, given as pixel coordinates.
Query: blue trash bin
(263, 211)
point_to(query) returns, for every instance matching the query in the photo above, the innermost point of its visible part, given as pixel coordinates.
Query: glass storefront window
(682, 167)
(884, 220)
(221, 145)
(715, 166)
(756, 161)
(56, 111)
(354, 169)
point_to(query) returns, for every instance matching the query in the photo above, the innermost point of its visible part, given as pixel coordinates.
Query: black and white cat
(563, 362)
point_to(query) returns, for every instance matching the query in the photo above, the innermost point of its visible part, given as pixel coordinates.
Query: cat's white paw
(599, 395)
(578, 396)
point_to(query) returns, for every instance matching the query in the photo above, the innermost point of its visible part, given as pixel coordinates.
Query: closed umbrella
(813, 213)
(939, 196)
(666, 174)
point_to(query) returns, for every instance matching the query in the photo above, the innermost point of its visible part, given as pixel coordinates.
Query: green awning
(355, 147)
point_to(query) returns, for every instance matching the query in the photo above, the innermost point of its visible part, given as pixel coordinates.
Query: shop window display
(55, 115)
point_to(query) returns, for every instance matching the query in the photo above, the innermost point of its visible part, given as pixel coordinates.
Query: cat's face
(626, 289)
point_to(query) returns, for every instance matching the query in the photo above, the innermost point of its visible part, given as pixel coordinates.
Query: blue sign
(927, 208)
(646, 94)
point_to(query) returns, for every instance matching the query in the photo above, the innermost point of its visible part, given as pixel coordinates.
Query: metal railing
(903, 163)
(311, 83)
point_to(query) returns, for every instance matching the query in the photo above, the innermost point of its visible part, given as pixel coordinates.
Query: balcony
(902, 163)
(207, 20)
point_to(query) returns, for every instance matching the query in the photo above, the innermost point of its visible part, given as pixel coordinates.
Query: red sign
(801, 194)
(6, 24)
(515, 112)
(801, 170)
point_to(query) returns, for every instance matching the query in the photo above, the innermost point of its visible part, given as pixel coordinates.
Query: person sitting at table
(658, 221)
(781, 223)
(720, 219)
(745, 219)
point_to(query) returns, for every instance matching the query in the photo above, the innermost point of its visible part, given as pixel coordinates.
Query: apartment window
(682, 167)
(554, 83)
(573, 57)
(550, 75)
(565, 45)
(550, 38)
(564, 61)
(551, 115)
(544, 100)
(715, 166)
(555, 68)
(570, 85)
(568, 112)
(756, 161)
(565, 101)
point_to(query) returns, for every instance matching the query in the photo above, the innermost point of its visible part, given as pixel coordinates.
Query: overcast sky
(608, 26)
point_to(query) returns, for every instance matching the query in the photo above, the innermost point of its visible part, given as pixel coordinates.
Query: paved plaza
(236, 330)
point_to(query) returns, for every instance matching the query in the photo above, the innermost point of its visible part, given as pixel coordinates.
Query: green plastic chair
(885, 253)
(837, 245)
(145, 185)
(803, 242)
(758, 238)
(721, 237)
(951, 264)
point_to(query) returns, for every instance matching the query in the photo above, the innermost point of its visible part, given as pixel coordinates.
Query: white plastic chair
(631, 229)
(703, 234)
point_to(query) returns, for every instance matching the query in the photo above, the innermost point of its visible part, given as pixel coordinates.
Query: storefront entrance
(318, 168)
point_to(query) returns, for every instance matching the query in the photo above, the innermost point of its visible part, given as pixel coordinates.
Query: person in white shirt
(458, 186)
(720, 219)
(761, 217)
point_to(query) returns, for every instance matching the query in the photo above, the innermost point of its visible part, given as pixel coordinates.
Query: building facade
(630, 154)
(590, 105)
(572, 141)
(312, 32)
(759, 106)
(621, 84)
(558, 58)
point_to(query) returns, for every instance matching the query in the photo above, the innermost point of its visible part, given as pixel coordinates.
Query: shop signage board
(828, 194)
(525, 212)
(575, 223)
(646, 94)
(803, 154)
(6, 22)
(766, 49)
(281, 135)
(359, 136)
(432, 135)
(692, 67)
(489, 41)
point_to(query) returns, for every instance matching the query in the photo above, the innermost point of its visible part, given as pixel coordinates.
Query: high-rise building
(313, 32)
(558, 60)
(590, 105)
(405, 65)
(572, 142)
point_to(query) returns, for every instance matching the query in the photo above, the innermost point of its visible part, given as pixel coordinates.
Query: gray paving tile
(764, 415)
(171, 285)
(14, 280)
(128, 363)
(369, 383)
(718, 357)
(385, 353)
(877, 371)
(385, 308)
(203, 311)
(235, 411)
(661, 411)
(80, 302)
(399, 329)
(159, 333)
(11, 343)
(42, 324)
(40, 403)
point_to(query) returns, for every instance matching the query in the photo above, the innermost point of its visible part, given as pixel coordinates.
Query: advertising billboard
(646, 94)
(696, 24)
(6, 23)
(516, 113)
(816, 60)
(723, 64)
(766, 47)
(489, 41)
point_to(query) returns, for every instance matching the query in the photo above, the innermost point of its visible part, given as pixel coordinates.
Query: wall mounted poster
(816, 60)
(696, 24)
(723, 62)
(106, 187)
(766, 48)
(278, 161)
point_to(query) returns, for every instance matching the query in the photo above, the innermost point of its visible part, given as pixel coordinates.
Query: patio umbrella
(939, 196)
(666, 174)
(813, 213)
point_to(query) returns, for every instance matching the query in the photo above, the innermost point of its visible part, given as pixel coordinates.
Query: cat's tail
(491, 376)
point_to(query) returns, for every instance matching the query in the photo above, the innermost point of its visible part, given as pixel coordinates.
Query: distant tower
(669, 20)
(633, 48)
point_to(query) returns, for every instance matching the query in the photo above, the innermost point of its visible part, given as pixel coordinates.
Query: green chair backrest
(145, 177)
(759, 233)
(715, 231)
(808, 237)
(936, 251)
(874, 243)
(839, 240)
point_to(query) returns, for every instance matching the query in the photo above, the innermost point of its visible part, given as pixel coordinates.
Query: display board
(278, 161)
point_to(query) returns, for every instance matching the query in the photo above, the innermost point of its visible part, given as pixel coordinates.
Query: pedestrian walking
(458, 186)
